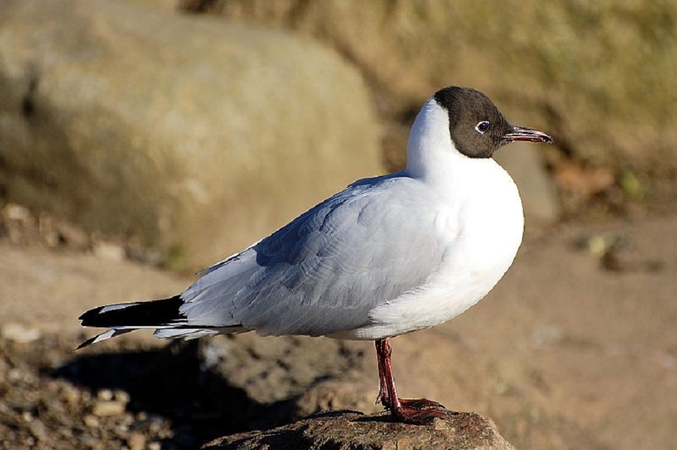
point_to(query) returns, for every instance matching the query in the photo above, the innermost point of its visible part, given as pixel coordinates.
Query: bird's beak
(527, 134)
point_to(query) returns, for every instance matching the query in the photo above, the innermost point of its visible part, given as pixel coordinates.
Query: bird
(386, 256)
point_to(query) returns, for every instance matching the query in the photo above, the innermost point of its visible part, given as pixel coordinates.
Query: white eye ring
(482, 127)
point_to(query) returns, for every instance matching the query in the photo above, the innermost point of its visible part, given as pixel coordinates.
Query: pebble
(91, 421)
(38, 430)
(70, 394)
(121, 396)
(155, 425)
(18, 333)
(105, 395)
(17, 212)
(109, 251)
(75, 238)
(136, 441)
(13, 375)
(108, 408)
(92, 442)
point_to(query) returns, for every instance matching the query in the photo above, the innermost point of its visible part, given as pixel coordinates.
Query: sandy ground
(571, 350)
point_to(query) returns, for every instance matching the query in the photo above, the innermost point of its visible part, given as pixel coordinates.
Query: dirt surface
(576, 348)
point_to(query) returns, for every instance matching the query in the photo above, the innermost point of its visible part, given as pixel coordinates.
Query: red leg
(416, 411)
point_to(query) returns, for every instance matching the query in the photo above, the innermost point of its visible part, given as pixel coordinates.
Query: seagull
(386, 256)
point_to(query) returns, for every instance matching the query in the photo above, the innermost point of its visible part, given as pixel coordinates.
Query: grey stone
(182, 133)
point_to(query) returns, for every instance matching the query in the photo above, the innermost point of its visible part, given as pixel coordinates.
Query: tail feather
(137, 314)
(103, 336)
(122, 318)
(162, 315)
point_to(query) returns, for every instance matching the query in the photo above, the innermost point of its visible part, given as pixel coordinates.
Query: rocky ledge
(345, 430)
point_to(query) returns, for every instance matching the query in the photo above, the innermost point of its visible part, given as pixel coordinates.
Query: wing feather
(324, 271)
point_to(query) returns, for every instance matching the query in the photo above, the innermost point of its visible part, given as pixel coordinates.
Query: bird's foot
(416, 411)
(419, 411)
(420, 403)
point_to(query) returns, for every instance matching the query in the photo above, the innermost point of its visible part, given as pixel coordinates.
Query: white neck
(431, 155)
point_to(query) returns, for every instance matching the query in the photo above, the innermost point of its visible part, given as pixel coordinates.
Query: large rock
(179, 132)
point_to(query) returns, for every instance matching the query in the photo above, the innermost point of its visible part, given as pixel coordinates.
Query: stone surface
(165, 129)
(347, 430)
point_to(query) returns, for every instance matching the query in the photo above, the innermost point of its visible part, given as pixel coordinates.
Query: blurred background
(141, 140)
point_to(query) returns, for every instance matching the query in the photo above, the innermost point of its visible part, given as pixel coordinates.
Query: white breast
(482, 230)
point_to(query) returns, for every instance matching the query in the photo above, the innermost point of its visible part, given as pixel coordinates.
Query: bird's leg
(386, 382)
(416, 411)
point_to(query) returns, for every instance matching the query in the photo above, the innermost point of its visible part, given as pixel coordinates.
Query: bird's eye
(482, 127)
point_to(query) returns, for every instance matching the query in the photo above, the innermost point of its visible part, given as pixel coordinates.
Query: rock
(179, 132)
(17, 332)
(108, 250)
(91, 421)
(105, 408)
(346, 430)
(105, 395)
(39, 430)
(136, 441)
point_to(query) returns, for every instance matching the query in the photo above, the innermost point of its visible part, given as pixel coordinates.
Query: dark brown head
(476, 126)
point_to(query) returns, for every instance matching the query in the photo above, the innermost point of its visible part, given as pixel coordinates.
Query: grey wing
(324, 271)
